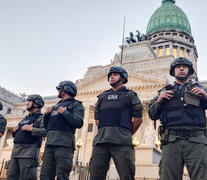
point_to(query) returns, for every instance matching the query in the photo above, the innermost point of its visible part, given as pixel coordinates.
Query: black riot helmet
(181, 61)
(1, 106)
(119, 70)
(37, 99)
(68, 86)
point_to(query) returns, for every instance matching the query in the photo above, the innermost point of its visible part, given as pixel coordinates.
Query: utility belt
(182, 133)
(186, 133)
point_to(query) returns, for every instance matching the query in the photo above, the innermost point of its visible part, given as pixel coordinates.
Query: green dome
(168, 17)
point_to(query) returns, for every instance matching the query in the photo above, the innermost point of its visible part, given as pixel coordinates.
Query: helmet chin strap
(59, 93)
(116, 83)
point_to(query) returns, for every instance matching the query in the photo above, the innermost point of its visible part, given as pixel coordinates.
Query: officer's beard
(115, 84)
(182, 79)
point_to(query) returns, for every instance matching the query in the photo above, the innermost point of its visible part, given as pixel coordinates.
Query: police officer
(61, 122)
(2, 122)
(27, 141)
(114, 112)
(181, 110)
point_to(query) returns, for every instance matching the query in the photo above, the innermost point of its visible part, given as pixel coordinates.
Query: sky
(43, 42)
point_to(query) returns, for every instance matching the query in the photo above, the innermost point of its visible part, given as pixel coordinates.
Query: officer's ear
(123, 79)
(36, 105)
(189, 71)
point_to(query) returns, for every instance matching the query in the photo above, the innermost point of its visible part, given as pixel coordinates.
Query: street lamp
(135, 142)
(157, 142)
(79, 144)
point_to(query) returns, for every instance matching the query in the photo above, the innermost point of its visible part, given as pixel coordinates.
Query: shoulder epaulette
(77, 101)
(103, 93)
(195, 84)
(163, 89)
(132, 91)
(167, 87)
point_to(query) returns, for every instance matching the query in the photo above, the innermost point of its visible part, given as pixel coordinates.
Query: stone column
(157, 51)
(178, 51)
(3, 138)
(2, 141)
(84, 134)
(164, 50)
(171, 48)
(184, 52)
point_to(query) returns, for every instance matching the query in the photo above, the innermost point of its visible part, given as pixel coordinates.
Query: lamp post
(79, 144)
(157, 142)
(135, 142)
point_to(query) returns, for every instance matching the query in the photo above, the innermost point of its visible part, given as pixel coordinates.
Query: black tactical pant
(176, 154)
(22, 169)
(123, 157)
(57, 162)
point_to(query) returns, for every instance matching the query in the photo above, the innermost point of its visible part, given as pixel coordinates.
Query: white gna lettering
(110, 97)
(24, 122)
(54, 113)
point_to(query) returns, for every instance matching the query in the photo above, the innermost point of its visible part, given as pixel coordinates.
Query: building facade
(147, 60)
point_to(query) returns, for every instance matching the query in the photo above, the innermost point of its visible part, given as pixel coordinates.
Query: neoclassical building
(147, 60)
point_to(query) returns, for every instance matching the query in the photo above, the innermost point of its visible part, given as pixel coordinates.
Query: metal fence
(81, 172)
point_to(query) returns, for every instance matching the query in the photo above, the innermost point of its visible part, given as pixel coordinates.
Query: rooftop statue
(137, 38)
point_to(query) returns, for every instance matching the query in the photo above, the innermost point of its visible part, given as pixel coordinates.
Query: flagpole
(122, 46)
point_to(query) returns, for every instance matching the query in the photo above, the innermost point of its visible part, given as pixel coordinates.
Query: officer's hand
(61, 110)
(199, 91)
(97, 122)
(27, 127)
(15, 128)
(1, 133)
(165, 95)
(48, 110)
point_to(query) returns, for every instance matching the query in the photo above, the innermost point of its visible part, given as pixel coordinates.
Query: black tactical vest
(25, 137)
(57, 121)
(178, 111)
(114, 110)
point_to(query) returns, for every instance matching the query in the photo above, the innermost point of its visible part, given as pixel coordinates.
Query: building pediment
(100, 83)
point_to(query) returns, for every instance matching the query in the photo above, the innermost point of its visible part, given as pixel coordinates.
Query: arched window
(167, 50)
(187, 53)
(160, 51)
(155, 50)
(175, 52)
(182, 52)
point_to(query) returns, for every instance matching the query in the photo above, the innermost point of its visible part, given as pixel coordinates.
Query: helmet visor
(59, 88)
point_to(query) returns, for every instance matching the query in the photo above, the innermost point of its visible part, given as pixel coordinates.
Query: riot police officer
(2, 122)
(61, 122)
(181, 110)
(27, 141)
(118, 115)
